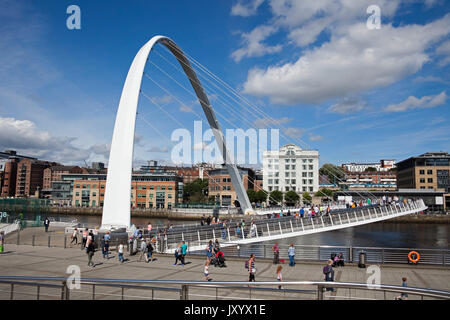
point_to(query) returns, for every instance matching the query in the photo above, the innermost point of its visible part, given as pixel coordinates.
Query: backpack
(246, 264)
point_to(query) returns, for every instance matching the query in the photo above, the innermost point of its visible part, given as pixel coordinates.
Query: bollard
(33, 239)
(319, 293)
(184, 294)
(49, 241)
(65, 242)
(18, 237)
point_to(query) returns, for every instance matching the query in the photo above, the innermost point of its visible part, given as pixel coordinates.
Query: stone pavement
(26, 260)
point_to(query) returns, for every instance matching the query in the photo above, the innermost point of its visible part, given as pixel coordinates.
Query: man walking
(74, 236)
(90, 252)
(183, 252)
(276, 253)
(46, 224)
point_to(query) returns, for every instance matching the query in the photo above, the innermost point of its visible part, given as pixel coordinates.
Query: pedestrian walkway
(26, 260)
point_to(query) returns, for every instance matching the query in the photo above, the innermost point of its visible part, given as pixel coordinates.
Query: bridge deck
(25, 260)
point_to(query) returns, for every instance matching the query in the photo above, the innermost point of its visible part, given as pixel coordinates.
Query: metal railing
(184, 289)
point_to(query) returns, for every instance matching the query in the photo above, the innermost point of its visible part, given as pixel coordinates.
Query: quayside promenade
(42, 261)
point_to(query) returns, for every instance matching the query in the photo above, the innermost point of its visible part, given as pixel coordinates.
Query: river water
(387, 234)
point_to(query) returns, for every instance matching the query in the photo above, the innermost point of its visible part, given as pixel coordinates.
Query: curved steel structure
(116, 209)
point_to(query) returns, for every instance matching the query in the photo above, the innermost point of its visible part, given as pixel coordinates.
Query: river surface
(389, 235)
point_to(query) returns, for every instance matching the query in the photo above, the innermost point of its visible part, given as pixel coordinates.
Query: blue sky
(325, 79)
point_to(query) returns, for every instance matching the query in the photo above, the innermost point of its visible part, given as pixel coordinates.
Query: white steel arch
(116, 208)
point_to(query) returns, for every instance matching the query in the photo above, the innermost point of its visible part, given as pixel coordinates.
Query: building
(30, 174)
(55, 173)
(8, 172)
(428, 171)
(374, 180)
(259, 180)
(383, 165)
(291, 168)
(221, 187)
(148, 190)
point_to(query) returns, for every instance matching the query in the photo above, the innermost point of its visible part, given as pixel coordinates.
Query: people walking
(183, 252)
(251, 268)
(2, 242)
(149, 251)
(102, 245)
(90, 252)
(276, 253)
(403, 296)
(46, 224)
(291, 254)
(206, 271)
(209, 251)
(142, 250)
(84, 238)
(74, 236)
(177, 254)
(279, 275)
(107, 241)
(329, 273)
(120, 252)
(216, 246)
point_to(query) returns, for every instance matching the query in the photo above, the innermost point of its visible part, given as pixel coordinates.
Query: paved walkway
(26, 260)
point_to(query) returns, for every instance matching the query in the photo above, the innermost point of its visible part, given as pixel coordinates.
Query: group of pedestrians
(180, 253)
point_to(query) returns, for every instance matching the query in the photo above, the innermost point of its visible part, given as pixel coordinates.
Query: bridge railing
(13, 287)
(266, 228)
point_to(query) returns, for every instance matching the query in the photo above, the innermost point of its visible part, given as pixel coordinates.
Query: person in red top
(276, 253)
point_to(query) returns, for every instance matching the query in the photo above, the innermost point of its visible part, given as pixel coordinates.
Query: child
(279, 276)
(120, 251)
(206, 271)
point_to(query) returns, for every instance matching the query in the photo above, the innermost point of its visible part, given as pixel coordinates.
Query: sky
(320, 72)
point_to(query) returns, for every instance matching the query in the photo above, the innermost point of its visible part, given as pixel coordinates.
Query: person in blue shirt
(183, 252)
(302, 212)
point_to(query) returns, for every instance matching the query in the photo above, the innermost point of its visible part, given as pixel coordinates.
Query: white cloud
(444, 51)
(418, 103)
(262, 123)
(185, 108)
(347, 105)
(315, 137)
(253, 45)
(247, 9)
(25, 137)
(293, 132)
(355, 60)
(162, 149)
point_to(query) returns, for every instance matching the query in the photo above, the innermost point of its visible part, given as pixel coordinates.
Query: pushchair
(219, 260)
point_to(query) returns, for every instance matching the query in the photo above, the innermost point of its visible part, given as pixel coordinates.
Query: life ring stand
(417, 256)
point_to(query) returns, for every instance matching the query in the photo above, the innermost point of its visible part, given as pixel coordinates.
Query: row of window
(293, 160)
(310, 189)
(429, 180)
(291, 181)
(84, 186)
(423, 171)
(143, 195)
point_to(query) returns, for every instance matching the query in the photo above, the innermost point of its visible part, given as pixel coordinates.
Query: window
(304, 181)
(169, 195)
(304, 174)
(429, 171)
(94, 194)
(422, 180)
(287, 181)
(293, 166)
(311, 189)
(102, 186)
(310, 174)
(310, 160)
(310, 167)
(292, 181)
(430, 180)
(270, 181)
(94, 186)
(304, 167)
(421, 171)
(77, 194)
(287, 174)
(286, 167)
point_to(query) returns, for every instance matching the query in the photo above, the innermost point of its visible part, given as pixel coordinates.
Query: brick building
(30, 176)
(55, 173)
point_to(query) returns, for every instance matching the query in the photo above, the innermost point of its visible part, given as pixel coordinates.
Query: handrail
(225, 284)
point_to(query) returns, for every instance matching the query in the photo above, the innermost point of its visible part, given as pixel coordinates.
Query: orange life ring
(417, 256)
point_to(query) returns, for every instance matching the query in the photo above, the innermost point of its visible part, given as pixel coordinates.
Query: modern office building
(428, 171)
(291, 168)
(55, 173)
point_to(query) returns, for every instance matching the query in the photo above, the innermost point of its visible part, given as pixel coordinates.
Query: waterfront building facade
(221, 188)
(291, 168)
(29, 177)
(383, 165)
(428, 171)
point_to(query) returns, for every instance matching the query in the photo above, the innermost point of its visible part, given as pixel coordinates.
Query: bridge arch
(116, 207)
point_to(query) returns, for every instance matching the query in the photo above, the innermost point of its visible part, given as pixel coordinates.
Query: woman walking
(90, 252)
(279, 276)
(74, 236)
(251, 268)
(209, 251)
(276, 253)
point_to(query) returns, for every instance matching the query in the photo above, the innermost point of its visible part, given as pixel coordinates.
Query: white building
(291, 168)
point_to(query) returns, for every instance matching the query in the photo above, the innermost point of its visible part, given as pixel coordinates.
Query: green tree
(261, 196)
(370, 169)
(276, 197)
(306, 197)
(252, 195)
(291, 197)
(324, 192)
(196, 191)
(334, 173)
